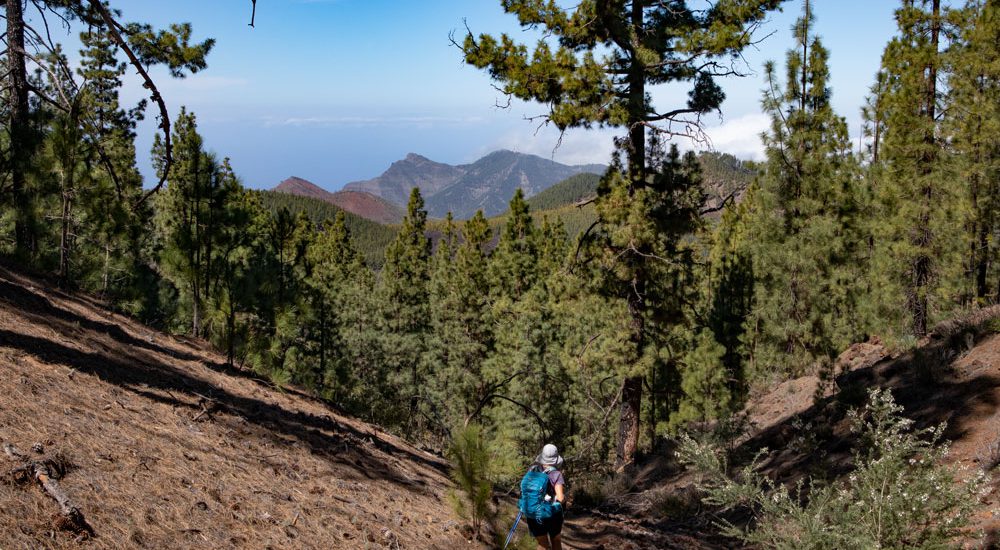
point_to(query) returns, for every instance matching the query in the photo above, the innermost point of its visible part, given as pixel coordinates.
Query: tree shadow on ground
(819, 441)
(142, 367)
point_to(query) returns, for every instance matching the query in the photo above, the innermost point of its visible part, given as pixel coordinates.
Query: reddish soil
(359, 203)
(951, 377)
(172, 449)
(368, 206)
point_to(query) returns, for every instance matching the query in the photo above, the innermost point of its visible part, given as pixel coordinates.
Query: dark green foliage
(370, 238)
(596, 66)
(72, 116)
(974, 125)
(918, 239)
(566, 192)
(462, 332)
(404, 302)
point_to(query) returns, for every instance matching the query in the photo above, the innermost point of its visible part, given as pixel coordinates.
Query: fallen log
(46, 473)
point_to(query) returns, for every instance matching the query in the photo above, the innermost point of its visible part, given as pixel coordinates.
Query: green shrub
(899, 496)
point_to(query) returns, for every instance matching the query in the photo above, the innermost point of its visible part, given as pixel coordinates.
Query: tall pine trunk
(64, 238)
(923, 236)
(629, 419)
(20, 131)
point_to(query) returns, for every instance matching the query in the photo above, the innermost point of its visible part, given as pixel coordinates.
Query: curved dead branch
(114, 30)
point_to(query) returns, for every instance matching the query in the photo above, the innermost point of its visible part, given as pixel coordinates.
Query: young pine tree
(405, 315)
(808, 244)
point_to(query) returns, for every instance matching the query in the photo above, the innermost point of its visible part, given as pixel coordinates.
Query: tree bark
(629, 422)
(628, 427)
(20, 130)
(922, 264)
(64, 245)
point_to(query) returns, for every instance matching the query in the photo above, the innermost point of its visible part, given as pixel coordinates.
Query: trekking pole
(510, 535)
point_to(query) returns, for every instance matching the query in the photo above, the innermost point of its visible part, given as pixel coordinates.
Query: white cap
(549, 456)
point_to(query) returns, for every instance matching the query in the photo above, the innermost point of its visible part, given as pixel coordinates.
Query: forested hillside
(369, 237)
(632, 331)
(359, 203)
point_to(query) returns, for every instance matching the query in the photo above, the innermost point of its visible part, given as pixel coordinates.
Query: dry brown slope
(172, 451)
(953, 377)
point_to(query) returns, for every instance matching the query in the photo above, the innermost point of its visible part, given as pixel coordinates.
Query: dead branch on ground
(46, 473)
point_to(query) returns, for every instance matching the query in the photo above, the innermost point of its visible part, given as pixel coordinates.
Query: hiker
(542, 498)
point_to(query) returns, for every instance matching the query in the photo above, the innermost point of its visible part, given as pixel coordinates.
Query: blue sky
(335, 90)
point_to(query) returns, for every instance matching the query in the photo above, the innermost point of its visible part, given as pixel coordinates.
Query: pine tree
(974, 127)
(648, 264)
(920, 235)
(336, 266)
(608, 57)
(462, 322)
(513, 265)
(404, 305)
(192, 219)
(21, 127)
(807, 240)
(716, 367)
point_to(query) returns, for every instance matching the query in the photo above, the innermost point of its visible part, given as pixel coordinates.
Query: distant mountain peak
(363, 204)
(486, 184)
(294, 185)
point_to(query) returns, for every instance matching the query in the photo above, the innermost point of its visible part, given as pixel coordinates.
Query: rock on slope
(171, 449)
(363, 204)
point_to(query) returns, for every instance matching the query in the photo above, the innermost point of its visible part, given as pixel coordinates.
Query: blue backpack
(532, 503)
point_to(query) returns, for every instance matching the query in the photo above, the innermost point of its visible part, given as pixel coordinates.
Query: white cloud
(740, 136)
(577, 146)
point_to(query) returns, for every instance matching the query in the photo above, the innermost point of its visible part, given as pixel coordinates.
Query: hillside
(162, 445)
(723, 174)
(403, 175)
(567, 192)
(951, 377)
(486, 184)
(489, 183)
(167, 447)
(370, 238)
(360, 203)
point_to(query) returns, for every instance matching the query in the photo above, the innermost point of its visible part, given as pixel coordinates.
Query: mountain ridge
(487, 183)
(361, 203)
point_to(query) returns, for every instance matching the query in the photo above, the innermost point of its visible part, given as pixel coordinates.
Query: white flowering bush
(900, 494)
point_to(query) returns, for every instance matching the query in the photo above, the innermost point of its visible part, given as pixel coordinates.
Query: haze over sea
(383, 80)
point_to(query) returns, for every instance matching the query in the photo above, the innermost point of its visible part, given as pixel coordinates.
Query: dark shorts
(551, 526)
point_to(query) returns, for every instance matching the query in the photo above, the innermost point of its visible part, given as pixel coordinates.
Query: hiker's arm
(560, 494)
